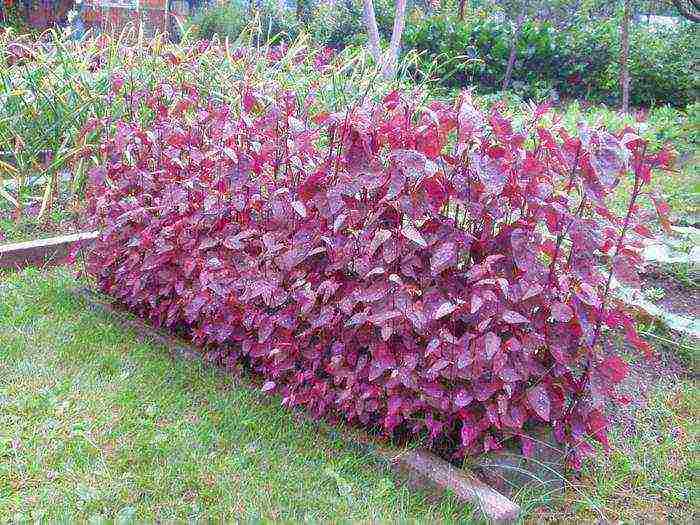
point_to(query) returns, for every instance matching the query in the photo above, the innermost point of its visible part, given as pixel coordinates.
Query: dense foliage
(231, 19)
(51, 85)
(337, 25)
(581, 61)
(426, 269)
(475, 53)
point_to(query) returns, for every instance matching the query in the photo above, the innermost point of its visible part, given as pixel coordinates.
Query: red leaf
(562, 312)
(663, 210)
(614, 368)
(405, 277)
(538, 399)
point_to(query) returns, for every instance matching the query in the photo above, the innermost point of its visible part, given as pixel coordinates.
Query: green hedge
(227, 21)
(337, 26)
(581, 62)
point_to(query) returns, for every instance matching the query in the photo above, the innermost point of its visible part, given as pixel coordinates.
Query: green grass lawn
(97, 425)
(650, 474)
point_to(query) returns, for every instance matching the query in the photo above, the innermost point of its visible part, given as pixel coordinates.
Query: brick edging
(52, 251)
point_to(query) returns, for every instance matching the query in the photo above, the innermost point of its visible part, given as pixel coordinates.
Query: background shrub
(475, 53)
(337, 26)
(425, 269)
(581, 61)
(578, 60)
(230, 19)
(663, 63)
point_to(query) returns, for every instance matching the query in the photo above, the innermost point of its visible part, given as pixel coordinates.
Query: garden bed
(420, 468)
(96, 422)
(423, 269)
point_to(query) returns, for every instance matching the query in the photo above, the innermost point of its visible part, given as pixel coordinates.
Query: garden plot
(96, 422)
(311, 249)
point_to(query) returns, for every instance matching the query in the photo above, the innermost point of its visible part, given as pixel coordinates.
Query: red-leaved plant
(423, 270)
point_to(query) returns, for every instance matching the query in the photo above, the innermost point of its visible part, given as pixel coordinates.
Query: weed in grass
(654, 293)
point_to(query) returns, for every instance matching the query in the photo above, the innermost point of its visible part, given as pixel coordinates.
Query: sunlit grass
(95, 424)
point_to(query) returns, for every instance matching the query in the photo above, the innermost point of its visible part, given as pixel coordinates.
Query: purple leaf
(492, 343)
(299, 208)
(414, 235)
(445, 308)
(538, 399)
(468, 433)
(512, 317)
(463, 398)
(380, 237)
(443, 257)
(562, 312)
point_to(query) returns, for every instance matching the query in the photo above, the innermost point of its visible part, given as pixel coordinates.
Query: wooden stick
(427, 471)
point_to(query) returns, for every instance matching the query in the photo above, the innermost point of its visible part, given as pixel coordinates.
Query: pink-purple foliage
(424, 270)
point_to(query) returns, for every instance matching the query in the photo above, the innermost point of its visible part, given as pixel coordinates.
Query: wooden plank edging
(420, 468)
(42, 252)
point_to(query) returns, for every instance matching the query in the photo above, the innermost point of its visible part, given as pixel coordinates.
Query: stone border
(41, 252)
(420, 468)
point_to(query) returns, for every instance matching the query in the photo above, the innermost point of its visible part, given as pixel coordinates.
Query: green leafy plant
(578, 62)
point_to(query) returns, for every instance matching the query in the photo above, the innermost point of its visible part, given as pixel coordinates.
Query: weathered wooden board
(429, 472)
(41, 252)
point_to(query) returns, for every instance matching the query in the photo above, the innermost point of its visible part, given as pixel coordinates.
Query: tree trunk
(372, 30)
(462, 5)
(624, 57)
(389, 62)
(514, 48)
(392, 59)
